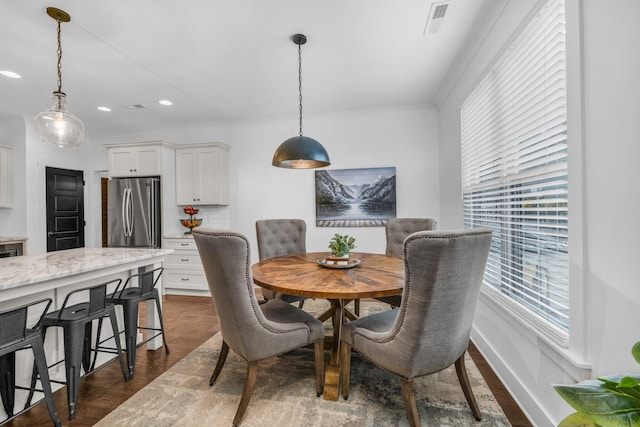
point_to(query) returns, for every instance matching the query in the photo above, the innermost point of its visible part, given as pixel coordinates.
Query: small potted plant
(341, 248)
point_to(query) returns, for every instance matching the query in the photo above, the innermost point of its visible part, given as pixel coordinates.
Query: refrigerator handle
(152, 206)
(130, 211)
(125, 225)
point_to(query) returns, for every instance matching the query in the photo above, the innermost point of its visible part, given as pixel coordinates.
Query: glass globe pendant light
(300, 152)
(58, 126)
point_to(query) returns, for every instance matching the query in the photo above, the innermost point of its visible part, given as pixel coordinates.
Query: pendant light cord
(300, 83)
(59, 59)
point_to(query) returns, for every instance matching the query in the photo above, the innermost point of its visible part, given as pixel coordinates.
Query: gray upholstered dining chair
(277, 237)
(396, 230)
(253, 331)
(431, 329)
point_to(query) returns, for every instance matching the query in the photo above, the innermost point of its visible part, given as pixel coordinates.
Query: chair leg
(409, 399)
(252, 368)
(164, 340)
(345, 368)
(8, 381)
(34, 374)
(40, 363)
(356, 307)
(116, 338)
(319, 359)
(98, 334)
(130, 312)
(222, 357)
(86, 349)
(73, 353)
(461, 370)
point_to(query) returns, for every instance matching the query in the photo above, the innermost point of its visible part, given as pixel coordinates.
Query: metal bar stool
(76, 321)
(15, 335)
(129, 297)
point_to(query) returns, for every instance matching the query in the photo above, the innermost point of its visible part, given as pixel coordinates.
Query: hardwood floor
(190, 321)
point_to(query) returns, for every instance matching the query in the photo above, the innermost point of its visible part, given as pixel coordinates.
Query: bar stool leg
(99, 334)
(130, 310)
(116, 336)
(164, 341)
(73, 355)
(86, 349)
(41, 365)
(8, 382)
(34, 374)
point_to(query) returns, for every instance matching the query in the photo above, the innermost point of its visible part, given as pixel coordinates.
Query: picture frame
(355, 197)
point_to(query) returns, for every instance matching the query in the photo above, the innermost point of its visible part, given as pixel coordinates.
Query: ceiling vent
(436, 18)
(133, 107)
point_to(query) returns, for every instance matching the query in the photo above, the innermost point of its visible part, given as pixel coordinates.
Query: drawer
(184, 260)
(186, 244)
(185, 280)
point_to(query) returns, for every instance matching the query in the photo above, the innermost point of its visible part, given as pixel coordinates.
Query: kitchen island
(53, 275)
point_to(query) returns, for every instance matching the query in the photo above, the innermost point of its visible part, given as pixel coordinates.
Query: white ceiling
(225, 60)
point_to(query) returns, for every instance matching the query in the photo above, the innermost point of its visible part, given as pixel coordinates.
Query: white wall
(89, 158)
(406, 139)
(12, 221)
(603, 203)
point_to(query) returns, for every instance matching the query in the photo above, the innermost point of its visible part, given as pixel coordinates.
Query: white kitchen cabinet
(202, 174)
(6, 176)
(184, 274)
(135, 159)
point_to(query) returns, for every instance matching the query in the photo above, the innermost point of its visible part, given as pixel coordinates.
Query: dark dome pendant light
(300, 152)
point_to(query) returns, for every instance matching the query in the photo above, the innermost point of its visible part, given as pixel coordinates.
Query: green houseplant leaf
(612, 401)
(635, 351)
(577, 420)
(341, 245)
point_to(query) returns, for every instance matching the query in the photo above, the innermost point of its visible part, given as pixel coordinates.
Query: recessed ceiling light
(103, 108)
(165, 102)
(10, 74)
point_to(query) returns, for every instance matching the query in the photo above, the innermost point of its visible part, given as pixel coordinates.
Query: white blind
(514, 168)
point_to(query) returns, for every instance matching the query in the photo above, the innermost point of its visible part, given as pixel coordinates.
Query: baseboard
(529, 405)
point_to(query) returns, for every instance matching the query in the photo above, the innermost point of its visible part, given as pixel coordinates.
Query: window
(514, 172)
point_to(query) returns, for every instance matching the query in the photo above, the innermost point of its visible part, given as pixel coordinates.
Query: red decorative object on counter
(191, 221)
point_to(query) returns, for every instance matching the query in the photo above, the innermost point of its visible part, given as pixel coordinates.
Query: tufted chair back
(254, 331)
(431, 328)
(277, 237)
(397, 229)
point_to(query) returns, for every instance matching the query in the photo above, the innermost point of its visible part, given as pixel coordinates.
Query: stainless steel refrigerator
(133, 212)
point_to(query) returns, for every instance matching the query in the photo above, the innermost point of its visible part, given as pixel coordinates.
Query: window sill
(550, 341)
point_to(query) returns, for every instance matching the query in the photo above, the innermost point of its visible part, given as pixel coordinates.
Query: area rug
(284, 395)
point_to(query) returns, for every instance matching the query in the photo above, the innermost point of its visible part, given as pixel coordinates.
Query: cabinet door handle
(185, 279)
(184, 244)
(184, 259)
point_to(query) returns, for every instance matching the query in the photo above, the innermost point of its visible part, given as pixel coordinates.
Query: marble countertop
(4, 239)
(27, 269)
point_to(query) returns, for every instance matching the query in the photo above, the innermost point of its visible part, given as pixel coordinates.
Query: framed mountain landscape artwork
(355, 197)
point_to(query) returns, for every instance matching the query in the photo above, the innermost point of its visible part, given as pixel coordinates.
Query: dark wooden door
(65, 209)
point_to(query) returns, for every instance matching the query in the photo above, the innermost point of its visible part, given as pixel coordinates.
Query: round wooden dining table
(309, 275)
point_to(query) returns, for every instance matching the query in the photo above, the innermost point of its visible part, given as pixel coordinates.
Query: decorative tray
(328, 263)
